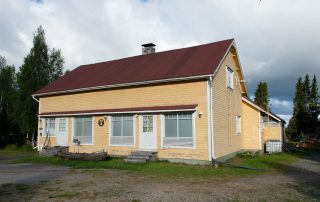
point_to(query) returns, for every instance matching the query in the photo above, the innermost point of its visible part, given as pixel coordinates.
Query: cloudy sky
(278, 40)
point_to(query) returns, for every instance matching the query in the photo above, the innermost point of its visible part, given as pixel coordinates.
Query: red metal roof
(123, 110)
(179, 63)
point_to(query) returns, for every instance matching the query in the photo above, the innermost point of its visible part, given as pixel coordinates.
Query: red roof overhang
(153, 109)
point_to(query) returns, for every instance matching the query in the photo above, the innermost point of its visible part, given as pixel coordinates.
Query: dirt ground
(35, 182)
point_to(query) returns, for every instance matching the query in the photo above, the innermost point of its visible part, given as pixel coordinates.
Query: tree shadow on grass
(305, 174)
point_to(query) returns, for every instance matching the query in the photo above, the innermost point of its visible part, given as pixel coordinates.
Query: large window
(50, 126)
(229, 77)
(178, 130)
(83, 129)
(122, 131)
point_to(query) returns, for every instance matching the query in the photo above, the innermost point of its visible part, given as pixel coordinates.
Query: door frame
(58, 131)
(154, 116)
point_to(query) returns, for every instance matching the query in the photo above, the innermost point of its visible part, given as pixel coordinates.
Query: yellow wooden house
(187, 105)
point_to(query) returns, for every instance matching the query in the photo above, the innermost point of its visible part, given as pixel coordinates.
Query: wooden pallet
(97, 156)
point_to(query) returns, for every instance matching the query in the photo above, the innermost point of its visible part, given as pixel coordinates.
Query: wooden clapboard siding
(226, 106)
(142, 96)
(179, 93)
(250, 129)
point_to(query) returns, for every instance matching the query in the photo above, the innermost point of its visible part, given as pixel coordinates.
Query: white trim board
(110, 113)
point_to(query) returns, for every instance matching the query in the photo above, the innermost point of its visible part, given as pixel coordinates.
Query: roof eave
(123, 85)
(262, 110)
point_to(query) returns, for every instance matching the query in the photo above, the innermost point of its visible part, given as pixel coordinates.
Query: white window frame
(133, 128)
(142, 122)
(55, 127)
(229, 78)
(162, 123)
(238, 125)
(66, 125)
(73, 130)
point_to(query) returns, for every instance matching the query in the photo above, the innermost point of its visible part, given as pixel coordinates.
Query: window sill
(177, 147)
(120, 145)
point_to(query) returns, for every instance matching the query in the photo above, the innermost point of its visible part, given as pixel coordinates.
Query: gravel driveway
(35, 182)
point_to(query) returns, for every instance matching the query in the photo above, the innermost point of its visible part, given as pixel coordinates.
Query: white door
(147, 139)
(62, 134)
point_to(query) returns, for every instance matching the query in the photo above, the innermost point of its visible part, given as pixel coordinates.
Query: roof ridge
(166, 51)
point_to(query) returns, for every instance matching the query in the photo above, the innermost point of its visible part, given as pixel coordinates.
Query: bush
(11, 147)
(23, 148)
(26, 148)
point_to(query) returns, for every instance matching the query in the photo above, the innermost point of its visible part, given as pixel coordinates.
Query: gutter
(33, 97)
(38, 138)
(110, 113)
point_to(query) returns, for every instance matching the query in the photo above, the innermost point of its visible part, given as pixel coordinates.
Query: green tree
(291, 129)
(39, 68)
(314, 105)
(8, 94)
(307, 116)
(261, 95)
(56, 63)
(299, 110)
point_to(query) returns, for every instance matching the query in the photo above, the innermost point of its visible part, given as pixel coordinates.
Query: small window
(83, 129)
(178, 130)
(50, 126)
(122, 131)
(62, 125)
(229, 75)
(238, 125)
(147, 124)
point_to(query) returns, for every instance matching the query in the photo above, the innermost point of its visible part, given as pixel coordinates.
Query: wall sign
(101, 122)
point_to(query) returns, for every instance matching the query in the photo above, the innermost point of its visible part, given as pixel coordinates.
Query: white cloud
(276, 39)
(285, 117)
(281, 106)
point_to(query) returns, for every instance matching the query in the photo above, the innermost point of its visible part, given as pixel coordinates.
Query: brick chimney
(148, 48)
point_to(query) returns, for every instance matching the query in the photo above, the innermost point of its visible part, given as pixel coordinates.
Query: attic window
(229, 77)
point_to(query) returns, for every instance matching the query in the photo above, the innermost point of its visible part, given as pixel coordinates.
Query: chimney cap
(148, 45)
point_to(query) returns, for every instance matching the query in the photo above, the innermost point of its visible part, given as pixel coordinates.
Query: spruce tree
(314, 105)
(300, 107)
(8, 92)
(307, 118)
(262, 96)
(40, 67)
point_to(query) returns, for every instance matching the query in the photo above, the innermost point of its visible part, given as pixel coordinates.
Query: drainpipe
(38, 140)
(211, 119)
(33, 97)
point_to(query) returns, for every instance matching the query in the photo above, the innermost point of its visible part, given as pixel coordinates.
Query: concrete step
(141, 156)
(145, 153)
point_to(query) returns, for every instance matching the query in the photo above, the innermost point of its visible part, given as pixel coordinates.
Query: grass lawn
(269, 163)
(12, 150)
